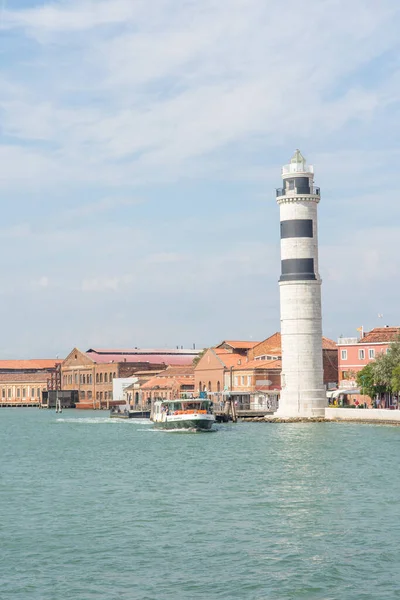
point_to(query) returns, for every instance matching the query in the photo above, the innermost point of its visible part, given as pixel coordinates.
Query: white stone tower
(303, 393)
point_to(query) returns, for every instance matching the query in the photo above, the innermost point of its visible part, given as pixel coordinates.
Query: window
(344, 375)
(105, 395)
(76, 378)
(387, 350)
(101, 377)
(114, 375)
(90, 380)
(24, 392)
(290, 184)
(3, 393)
(81, 379)
(97, 395)
(82, 395)
(33, 392)
(344, 354)
(18, 393)
(101, 395)
(371, 353)
(209, 386)
(236, 380)
(218, 387)
(361, 354)
(111, 376)
(9, 392)
(38, 392)
(89, 395)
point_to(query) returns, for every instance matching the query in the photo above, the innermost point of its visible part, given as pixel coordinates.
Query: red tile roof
(381, 334)
(25, 365)
(13, 377)
(273, 345)
(167, 382)
(229, 359)
(176, 371)
(260, 364)
(238, 345)
(328, 344)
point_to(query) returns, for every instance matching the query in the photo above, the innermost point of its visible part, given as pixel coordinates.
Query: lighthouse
(303, 393)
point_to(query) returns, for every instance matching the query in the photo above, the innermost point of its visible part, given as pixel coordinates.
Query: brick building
(91, 373)
(22, 382)
(251, 370)
(174, 382)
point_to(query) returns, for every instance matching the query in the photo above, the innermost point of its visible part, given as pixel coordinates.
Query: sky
(140, 147)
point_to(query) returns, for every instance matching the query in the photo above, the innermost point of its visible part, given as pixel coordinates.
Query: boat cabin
(182, 407)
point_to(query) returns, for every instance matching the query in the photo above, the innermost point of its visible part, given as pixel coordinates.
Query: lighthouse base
(305, 404)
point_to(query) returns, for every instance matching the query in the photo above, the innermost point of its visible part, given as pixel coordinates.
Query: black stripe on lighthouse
(296, 228)
(297, 269)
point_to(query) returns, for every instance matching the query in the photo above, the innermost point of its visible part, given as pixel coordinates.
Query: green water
(93, 508)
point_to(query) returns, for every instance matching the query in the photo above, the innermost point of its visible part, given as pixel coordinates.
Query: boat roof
(184, 400)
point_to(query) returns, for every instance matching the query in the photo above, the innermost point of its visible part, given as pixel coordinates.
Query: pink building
(354, 354)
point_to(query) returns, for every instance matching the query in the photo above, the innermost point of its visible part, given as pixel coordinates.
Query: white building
(120, 385)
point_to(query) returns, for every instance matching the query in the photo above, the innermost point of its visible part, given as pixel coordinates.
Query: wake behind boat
(193, 414)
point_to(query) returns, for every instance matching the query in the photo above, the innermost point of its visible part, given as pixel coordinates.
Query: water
(96, 508)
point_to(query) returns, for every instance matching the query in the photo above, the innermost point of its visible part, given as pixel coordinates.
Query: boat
(125, 412)
(192, 414)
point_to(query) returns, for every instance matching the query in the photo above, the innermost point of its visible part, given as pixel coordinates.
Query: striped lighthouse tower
(303, 393)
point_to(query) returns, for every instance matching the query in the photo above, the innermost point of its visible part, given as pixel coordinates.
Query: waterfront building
(303, 393)
(174, 382)
(22, 382)
(92, 373)
(354, 354)
(253, 377)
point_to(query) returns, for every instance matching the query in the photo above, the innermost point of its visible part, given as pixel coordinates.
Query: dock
(19, 404)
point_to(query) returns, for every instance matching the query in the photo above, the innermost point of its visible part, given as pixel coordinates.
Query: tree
(395, 383)
(367, 382)
(385, 364)
(197, 358)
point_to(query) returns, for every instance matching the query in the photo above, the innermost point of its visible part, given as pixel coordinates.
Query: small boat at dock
(125, 412)
(192, 414)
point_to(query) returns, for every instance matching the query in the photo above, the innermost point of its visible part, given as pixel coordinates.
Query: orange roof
(273, 345)
(10, 378)
(173, 371)
(167, 382)
(260, 364)
(26, 365)
(381, 334)
(328, 344)
(238, 345)
(229, 359)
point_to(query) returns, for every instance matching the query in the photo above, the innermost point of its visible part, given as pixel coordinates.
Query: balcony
(312, 191)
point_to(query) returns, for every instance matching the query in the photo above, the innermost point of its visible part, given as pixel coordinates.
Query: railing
(314, 191)
(349, 340)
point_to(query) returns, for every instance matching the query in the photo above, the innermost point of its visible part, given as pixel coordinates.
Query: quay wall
(363, 414)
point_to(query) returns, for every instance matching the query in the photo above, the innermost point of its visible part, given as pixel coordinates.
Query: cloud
(140, 144)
